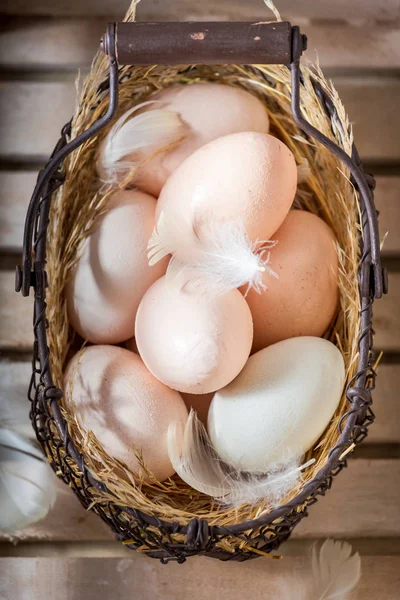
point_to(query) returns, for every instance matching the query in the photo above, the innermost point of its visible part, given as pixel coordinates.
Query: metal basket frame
(133, 527)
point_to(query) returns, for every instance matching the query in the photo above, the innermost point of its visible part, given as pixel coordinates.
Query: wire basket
(306, 113)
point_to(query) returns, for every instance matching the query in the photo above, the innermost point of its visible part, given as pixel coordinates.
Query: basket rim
(357, 393)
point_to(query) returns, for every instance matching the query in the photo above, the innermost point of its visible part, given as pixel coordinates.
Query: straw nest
(79, 202)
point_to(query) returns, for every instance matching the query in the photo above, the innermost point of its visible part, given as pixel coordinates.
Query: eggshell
(244, 175)
(304, 300)
(279, 405)
(209, 110)
(112, 275)
(190, 342)
(114, 396)
(200, 403)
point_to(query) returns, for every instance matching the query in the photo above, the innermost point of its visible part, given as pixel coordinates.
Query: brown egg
(118, 399)
(304, 300)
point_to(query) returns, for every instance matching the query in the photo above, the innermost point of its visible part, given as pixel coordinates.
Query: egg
(305, 297)
(279, 405)
(200, 403)
(112, 275)
(209, 111)
(246, 176)
(113, 395)
(191, 342)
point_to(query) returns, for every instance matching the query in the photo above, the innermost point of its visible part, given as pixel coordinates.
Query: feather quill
(198, 464)
(130, 134)
(27, 483)
(211, 257)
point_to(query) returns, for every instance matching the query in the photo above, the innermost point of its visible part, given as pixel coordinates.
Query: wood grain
(16, 188)
(352, 508)
(152, 10)
(52, 104)
(14, 405)
(16, 316)
(143, 579)
(54, 43)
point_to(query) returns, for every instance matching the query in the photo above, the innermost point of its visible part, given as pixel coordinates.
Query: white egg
(279, 405)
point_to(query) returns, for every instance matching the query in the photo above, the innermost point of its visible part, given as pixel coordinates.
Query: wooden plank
(33, 115)
(387, 199)
(387, 317)
(14, 405)
(16, 188)
(145, 579)
(353, 508)
(15, 191)
(50, 43)
(153, 10)
(16, 316)
(372, 105)
(67, 521)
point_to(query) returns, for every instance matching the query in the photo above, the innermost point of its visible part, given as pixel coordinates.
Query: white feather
(211, 257)
(332, 575)
(27, 483)
(335, 571)
(197, 463)
(152, 129)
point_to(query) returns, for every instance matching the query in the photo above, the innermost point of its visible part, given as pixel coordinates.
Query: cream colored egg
(279, 405)
(112, 275)
(208, 111)
(249, 176)
(305, 297)
(190, 342)
(114, 396)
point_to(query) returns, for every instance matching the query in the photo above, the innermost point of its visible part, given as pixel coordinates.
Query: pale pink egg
(113, 273)
(191, 342)
(304, 300)
(113, 395)
(209, 111)
(249, 176)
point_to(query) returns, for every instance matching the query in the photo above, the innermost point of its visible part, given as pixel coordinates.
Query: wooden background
(71, 555)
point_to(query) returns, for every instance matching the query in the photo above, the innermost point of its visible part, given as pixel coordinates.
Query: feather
(335, 571)
(153, 129)
(332, 575)
(27, 483)
(303, 171)
(198, 464)
(214, 257)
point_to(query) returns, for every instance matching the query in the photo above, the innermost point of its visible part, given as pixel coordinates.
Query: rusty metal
(133, 527)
